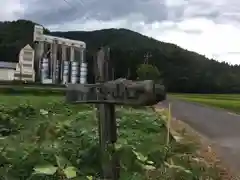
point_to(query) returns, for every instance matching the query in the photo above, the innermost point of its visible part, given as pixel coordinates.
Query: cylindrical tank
(74, 71)
(44, 69)
(83, 73)
(65, 72)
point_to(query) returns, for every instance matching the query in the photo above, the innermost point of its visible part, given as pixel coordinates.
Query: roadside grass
(37, 101)
(42, 137)
(229, 102)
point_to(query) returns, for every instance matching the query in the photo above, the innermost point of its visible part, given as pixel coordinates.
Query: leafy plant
(55, 141)
(63, 170)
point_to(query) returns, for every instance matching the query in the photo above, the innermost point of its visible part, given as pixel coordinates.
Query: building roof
(28, 46)
(7, 65)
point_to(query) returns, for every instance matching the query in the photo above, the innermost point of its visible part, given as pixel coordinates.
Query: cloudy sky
(209, 27)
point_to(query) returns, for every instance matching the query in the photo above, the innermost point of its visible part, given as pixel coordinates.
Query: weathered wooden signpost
(106, 93)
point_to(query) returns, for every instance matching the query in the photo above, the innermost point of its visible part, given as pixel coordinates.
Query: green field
(42, 138)
(226, 101)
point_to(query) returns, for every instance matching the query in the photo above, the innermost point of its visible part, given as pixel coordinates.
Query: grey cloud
(218, 11)
(50, 12)
(58, 11)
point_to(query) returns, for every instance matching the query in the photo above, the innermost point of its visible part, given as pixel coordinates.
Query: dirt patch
(206, 148)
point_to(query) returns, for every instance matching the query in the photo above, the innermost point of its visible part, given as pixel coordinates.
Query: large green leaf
(47, 169)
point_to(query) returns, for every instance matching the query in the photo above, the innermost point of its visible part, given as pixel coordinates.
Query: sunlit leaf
(178, 167)
(140, 156)
(118, 146)
(70, 172)
(149, 167)
(45, 169)
(43, 112)
(61, 161)
(89, 177)
(150, 162)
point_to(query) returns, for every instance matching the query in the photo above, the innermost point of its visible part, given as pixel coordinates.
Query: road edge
(207, 148)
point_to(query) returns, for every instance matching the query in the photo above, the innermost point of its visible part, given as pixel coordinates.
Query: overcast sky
(209, 27)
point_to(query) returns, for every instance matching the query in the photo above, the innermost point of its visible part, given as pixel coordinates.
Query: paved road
(219, 126)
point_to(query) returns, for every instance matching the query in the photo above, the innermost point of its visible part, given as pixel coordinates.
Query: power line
(81, 2)
(146, 57)
(69, 4)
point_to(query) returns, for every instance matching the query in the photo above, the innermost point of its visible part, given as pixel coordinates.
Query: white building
(7, 70)
(23, 70)
(25, 67)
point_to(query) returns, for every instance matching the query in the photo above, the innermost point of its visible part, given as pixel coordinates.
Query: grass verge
(226, 101)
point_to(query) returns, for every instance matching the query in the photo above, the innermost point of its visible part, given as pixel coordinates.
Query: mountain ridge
(124, 30)
(182, 70)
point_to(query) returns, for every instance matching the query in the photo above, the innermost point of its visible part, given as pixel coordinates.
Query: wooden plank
(120, 91)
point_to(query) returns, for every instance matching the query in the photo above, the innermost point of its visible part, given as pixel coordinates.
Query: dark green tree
(148, 72)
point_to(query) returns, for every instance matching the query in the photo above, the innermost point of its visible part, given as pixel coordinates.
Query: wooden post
(107, 120)
(168, 123)
(106, 93)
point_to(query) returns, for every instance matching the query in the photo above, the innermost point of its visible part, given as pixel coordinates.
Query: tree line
(180, 70)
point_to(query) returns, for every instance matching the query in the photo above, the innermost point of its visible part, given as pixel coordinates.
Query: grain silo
(65, 72)
(74, 71)
(44, 69)
(83, 73)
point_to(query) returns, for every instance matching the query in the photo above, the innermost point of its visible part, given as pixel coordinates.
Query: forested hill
(182, 71)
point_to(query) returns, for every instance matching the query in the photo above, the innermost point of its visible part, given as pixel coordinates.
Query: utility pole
(129, 73)
(146, 57)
